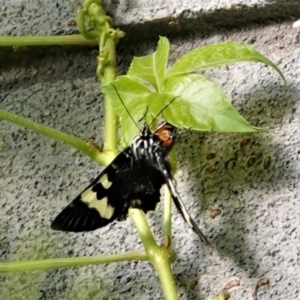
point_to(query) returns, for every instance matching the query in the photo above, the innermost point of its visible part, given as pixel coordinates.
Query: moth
(132, 180)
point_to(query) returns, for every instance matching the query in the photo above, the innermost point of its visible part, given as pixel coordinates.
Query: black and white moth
(132, 180)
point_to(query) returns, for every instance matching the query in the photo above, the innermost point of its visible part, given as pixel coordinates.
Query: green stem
(111, 120)
(160, 257)
(46, 41)
(223, 295)
(45, 264)
(163, 267)
(71, 140)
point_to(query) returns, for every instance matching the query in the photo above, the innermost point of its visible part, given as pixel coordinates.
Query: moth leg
(177, 200)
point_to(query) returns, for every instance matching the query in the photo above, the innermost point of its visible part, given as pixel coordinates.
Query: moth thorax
(144, 148)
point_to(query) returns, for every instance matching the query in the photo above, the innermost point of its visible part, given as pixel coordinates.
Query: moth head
(166, 134)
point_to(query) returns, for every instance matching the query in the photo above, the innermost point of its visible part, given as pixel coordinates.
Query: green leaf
(128, 127)
(133, 94)
(152, 68)
(202, 106)
(158, 104)
(199, 103)
(139, 101)
(218, 55)
(129, 90)
(145, 110)
(189, 101)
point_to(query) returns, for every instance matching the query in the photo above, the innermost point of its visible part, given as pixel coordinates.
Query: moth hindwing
(132, 180)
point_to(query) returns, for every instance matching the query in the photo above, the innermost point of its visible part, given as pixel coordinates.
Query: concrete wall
(257, 233)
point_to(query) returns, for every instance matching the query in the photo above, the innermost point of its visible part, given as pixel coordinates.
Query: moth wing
(92, 209)
(143, 186)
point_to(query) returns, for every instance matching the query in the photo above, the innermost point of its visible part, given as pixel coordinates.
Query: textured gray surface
(43, 17)
(256, 235)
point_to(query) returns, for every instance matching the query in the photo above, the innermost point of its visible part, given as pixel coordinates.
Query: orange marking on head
(166, 135)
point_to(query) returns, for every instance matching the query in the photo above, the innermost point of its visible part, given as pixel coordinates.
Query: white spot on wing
(105, 182)
(104, 209)
(88, 196)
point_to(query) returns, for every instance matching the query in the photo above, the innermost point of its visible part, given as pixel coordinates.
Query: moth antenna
(144, 116)
(181, 132)
(163, 110)
(126, 108)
